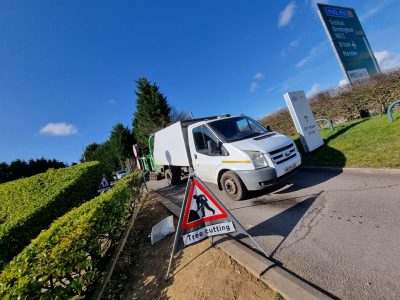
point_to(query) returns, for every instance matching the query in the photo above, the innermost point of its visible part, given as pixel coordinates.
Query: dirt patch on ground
(199, 272)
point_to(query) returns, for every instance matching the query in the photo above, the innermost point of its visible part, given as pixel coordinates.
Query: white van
(236, 153)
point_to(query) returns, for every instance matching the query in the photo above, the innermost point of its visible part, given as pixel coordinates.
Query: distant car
(121, 174)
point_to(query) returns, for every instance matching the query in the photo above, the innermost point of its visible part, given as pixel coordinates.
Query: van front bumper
(260, 179)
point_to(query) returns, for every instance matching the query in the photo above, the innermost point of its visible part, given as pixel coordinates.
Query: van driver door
(205, 163)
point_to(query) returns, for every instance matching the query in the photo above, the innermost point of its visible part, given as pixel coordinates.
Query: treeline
(346, 103)
(20, 168)
(113, 152)
(152, 113)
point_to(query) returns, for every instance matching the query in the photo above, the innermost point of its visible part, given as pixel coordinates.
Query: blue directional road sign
(348, 41)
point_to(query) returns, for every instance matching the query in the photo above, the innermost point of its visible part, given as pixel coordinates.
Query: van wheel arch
(172, 174)
(219, 178)
(233, 185)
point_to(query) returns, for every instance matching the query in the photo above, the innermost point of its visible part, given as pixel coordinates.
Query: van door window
(198, 138)
(201, 135)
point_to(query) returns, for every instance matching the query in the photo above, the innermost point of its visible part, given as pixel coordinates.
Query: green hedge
(29, 205)
(346, 103)
(64, 260)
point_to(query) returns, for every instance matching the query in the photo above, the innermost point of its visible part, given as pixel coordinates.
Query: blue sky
(67, 68)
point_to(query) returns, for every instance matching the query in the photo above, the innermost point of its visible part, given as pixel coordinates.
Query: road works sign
(201, 208)
(348, 41)
(303, 120)
(104, 185)
(203, 215)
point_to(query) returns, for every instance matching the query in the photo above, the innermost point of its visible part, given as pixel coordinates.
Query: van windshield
(236, 129)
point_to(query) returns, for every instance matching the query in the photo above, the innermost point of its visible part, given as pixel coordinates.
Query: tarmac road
(339, 231)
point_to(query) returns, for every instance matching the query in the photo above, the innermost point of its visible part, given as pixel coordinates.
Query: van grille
(283, 154)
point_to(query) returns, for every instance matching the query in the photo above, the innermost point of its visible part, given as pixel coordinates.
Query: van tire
(173, 175)
(233, 186)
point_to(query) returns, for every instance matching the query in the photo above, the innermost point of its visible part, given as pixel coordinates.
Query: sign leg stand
(251, 238)
(178, 230)
(237, 223)
(144, 181)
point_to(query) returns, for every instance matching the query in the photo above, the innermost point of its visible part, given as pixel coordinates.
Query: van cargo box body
(170, 147)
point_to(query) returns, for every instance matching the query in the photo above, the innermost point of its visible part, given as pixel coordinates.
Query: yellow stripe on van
(236, 161)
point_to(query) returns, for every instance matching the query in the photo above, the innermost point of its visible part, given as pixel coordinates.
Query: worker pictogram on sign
(104, 182)
(201, 207)
(104, 185)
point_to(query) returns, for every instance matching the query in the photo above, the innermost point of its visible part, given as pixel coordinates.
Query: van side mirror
(269, 128)
(213, 147)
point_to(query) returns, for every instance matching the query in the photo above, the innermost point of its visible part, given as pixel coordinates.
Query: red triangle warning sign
(201, 206)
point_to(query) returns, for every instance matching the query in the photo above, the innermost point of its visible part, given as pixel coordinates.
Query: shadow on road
(307, 178)
(174, 192)
(303, 179)
(283, 223)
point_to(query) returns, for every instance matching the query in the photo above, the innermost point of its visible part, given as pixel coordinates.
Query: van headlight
(258, 159)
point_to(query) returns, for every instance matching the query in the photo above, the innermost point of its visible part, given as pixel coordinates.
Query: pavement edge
(355, 170)
(288, 285)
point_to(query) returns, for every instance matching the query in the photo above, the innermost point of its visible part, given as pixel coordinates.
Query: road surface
(339, 231)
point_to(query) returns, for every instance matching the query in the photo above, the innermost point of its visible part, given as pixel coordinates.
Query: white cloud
(286, 14)
(370, 12)
(254, 86)
(284, 86)
(315, 89)
(258, 76)
(342, 82)
(387, 60)
(292, 45)
(58, 129)
(373, 9)
(270, 89)
(310, 55)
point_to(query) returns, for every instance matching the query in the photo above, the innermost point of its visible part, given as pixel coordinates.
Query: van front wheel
(233, 186)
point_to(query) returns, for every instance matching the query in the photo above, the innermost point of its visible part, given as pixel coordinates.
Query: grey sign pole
(144, 181)
(179, 230)
(237, 223)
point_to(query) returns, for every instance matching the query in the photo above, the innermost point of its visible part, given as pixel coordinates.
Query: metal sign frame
(230, 217)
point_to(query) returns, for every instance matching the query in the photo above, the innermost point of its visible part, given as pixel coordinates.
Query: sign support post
(178, 231)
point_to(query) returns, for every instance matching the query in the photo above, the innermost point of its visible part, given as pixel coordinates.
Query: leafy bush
(350, 102)
(29, 205)
(63, 261)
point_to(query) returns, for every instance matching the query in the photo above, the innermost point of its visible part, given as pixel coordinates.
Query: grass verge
(370, 142)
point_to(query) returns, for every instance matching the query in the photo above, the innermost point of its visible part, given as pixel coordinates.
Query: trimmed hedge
(64, 260)
(29, 205)
(363, 98)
